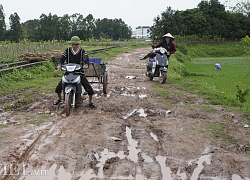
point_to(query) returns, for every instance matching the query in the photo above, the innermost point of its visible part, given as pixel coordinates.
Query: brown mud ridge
(132, 134)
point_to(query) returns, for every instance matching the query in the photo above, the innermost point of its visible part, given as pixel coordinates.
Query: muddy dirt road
(132, 134)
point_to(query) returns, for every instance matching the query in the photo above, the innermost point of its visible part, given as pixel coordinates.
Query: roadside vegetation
(229, 86)
(44, 78)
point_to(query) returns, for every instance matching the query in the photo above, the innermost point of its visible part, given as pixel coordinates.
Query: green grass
(3, 134)
(2, 125)
(106, 56)
(7, 60)
(28, 84)
(217, 130)
(235, 71)
(36, 119)
(163, 93)
(21, 79)
(216, 50)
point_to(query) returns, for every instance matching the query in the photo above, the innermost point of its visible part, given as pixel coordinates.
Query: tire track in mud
(27, 152)
(23, 158)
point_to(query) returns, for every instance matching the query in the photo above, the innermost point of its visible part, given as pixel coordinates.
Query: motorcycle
(157, 64)
(72, 88)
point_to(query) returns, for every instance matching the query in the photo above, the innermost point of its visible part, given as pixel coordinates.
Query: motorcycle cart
(97, 70)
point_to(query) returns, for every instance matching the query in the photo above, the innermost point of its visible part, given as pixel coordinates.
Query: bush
(241, 94)
(245, 41)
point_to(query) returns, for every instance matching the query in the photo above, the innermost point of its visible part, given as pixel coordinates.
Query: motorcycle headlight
(70, 68)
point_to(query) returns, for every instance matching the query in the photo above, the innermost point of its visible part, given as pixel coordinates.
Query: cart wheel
(105, 82)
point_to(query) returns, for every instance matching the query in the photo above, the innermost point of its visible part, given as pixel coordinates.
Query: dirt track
(159, 137)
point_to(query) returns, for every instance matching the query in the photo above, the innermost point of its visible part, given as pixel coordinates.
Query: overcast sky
(133, 12)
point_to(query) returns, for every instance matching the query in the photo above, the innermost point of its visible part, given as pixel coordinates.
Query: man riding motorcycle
(77, 55)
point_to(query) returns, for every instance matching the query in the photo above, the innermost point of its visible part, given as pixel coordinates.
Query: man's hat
(75, 40)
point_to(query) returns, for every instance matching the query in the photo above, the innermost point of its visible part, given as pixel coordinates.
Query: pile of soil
(40, 56)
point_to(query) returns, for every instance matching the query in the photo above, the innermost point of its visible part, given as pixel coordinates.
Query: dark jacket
(170, 47)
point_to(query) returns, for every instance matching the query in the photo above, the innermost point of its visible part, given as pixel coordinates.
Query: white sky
(133, 12)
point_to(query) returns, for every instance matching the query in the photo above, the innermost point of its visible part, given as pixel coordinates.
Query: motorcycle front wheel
(163, 77)
(69, 103)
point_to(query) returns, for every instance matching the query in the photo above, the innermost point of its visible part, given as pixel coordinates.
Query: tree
(215, 15)
(209, 19)
(236, 26)
(48, 27)
(64, 27)
(2, 23)
(162, 25)
(195, 23)
(89, 27)
(79, 26)
(242, 7)
(30, 30)
(114, 29)
(52, 27)
(15, 31)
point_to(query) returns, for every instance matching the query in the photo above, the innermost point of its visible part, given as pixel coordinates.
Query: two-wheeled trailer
(97, 69)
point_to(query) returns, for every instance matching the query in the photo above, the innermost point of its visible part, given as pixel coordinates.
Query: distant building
(141, 32)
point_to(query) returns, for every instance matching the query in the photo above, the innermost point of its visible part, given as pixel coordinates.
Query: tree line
(53, 27)
(209, 19)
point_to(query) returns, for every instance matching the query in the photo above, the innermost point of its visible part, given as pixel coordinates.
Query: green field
(234, 76)
(234, 71)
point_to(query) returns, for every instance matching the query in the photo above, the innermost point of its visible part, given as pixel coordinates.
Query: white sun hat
(168, 35)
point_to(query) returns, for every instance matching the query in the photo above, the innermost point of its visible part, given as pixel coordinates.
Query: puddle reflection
(147, 158)
(166, 172)
(105, 154)
(58, 172)
(140, 111)
(142, 96)
(129, 114)
(154, 136)
(132, 146)
(130, 77)
(202, 159)
(127, 94)
(237, 177)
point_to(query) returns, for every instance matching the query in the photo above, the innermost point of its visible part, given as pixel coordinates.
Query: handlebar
(161, 50)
